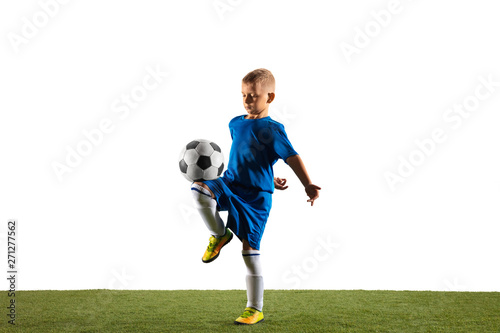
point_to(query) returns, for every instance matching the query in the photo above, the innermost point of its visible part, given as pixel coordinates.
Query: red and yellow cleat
(215, 245)
(249, 317)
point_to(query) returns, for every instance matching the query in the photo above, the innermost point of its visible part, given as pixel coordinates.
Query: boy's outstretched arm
(312, 191)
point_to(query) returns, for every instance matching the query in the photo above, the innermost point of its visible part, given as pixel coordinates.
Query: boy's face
(256, 99)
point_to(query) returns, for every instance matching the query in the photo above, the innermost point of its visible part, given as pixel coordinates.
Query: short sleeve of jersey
(282, 146)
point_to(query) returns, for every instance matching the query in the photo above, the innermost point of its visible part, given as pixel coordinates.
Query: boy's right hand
(279, 183)
(312, 192)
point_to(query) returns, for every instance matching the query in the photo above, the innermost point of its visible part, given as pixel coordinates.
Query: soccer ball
(201, 160)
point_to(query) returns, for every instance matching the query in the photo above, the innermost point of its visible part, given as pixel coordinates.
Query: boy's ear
(270, 97)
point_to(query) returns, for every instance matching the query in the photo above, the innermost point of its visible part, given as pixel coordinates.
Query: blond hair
(261, 76)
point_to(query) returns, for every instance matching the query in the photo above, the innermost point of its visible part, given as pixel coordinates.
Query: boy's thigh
(246, 246)
(205, 186)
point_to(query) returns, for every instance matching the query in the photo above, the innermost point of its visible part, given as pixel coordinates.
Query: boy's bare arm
(312, 191)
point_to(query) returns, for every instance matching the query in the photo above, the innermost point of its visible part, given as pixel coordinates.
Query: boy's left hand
(279, 183)
(312, 192)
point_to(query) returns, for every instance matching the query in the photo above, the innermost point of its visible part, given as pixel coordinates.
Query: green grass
(285, 311)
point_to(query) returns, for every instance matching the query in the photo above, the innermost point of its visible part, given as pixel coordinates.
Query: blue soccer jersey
(257, 145)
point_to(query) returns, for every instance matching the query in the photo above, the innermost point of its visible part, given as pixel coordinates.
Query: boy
(247, 185)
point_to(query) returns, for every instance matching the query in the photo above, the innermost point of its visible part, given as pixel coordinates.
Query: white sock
(255, 282)
(208, 210)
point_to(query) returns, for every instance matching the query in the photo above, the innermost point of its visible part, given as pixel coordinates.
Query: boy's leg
(207, 206)
(255, 287)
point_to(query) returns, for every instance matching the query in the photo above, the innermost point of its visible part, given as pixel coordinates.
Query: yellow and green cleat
(249, 317)
(215, 245)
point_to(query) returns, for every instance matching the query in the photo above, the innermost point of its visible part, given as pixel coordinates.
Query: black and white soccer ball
(201, 160)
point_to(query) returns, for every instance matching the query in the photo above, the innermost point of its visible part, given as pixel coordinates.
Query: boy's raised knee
(206, 188)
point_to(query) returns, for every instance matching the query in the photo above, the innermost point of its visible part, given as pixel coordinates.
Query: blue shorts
(247, 209)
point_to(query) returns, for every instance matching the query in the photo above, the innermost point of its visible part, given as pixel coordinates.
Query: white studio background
(393, 106)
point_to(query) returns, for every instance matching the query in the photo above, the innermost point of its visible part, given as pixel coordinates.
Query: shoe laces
(212, 243)
(248, 313)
